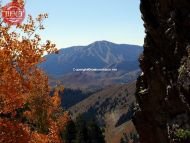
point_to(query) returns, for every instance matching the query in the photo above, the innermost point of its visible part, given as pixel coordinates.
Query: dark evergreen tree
(95, 133)
(81, 131)
(69, 134)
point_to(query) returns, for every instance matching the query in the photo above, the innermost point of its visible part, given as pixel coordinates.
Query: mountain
(122, 58)
(112, 107)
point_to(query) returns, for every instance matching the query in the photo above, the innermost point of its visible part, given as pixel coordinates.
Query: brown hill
(112, 109)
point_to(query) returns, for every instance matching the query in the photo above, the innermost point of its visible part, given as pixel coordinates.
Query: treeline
(71, 97)
(82, 131)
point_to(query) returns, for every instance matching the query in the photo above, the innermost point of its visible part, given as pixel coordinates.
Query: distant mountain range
(98, 55)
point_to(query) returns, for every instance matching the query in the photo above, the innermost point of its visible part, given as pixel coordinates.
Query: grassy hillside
(112, 109)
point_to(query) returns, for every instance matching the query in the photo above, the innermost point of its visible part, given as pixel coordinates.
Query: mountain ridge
(97, 55)
(111, 107)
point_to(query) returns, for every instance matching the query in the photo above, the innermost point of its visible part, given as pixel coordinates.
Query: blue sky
(81, 22)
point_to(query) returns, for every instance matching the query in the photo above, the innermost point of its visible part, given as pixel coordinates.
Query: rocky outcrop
(163, 89)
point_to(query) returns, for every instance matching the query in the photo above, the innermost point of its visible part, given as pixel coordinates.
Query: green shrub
(183, 134)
